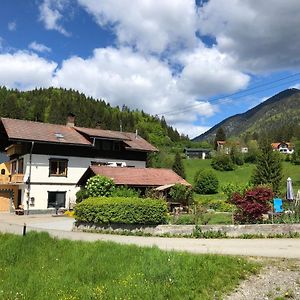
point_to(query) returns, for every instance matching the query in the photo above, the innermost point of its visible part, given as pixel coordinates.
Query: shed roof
(143, 177)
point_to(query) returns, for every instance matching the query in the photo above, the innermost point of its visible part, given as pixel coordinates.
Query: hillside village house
(47, 160)
(285, 148)
(224, 147)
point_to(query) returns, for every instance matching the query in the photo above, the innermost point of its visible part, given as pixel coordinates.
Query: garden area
(39, 267)
(224, 190)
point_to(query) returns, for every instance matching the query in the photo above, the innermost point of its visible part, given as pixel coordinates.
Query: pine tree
(178, 166)
(268, 168)
(220, 136)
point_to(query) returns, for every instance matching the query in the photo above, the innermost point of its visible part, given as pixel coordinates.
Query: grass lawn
(241, 174)
(39, 267)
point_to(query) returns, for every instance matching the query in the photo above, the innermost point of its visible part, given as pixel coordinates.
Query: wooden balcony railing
(15, 178)
(4, 179)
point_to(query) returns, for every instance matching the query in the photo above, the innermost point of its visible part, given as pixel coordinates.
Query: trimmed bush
(206, 182)
(121, 210)
(222, 162)
(100, 186)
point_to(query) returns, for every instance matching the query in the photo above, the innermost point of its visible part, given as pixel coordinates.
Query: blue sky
(196, 63)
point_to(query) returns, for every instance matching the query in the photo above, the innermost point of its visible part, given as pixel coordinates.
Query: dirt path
(279, 279)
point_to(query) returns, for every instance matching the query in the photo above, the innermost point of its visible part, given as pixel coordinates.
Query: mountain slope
(277, 115)
(52, 105)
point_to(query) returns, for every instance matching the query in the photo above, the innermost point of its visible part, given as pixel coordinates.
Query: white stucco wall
(42, 183)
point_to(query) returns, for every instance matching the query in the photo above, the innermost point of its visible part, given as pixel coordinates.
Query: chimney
(71, 120)
(136, 133)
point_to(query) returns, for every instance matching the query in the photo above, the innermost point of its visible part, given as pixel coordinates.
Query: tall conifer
(178, 166)
(268, 168)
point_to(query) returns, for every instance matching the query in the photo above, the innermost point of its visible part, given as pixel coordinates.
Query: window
(58, 167)
(56, 199)
(14, 167)
(3, 172)
(21, 166)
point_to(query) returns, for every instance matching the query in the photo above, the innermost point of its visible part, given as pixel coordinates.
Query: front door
(4, 202)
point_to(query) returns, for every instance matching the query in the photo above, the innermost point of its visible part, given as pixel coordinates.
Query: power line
(188, 107)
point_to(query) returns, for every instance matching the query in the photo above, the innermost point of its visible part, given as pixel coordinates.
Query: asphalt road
(60, 227)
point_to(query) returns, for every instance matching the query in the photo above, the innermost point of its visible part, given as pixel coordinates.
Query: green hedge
(121, 210)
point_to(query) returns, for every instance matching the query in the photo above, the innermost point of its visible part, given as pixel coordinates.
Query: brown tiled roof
(101, 133)
(276, 145)
(43, 132)
(135, 176)
(53, 133)
(135, 142)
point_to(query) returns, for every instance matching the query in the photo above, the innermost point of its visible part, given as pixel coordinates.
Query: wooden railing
(4, 179)
(15, 178)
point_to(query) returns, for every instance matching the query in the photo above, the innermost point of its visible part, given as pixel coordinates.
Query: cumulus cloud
(263, 36)
(51, 15)
(209, 72)
(149, 26)
(122, 76)
(38, 47)
(191, 129)
(12, 26)
(25, 70)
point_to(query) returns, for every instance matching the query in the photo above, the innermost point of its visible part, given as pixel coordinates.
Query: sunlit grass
(241, 175)
(39, 267)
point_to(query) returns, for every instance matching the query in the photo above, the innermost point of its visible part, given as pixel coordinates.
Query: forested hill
(52, 105)
(278, 116)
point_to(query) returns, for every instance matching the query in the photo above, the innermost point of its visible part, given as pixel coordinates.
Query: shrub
(123, 191)
(185, 220)
(182, 194)
(222, 162)
(81, 195)
(236, 156)
(99, 186)
(121, 210)
(217, 205)
(252, 204)
(206, 182)
(231, 188)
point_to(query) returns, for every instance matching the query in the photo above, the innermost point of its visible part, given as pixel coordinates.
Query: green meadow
(241, 175)
(39, 267)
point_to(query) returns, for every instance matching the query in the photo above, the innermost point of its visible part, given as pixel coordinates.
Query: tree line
(52, 105)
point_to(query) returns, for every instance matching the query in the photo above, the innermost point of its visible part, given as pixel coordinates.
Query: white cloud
(209, 72)
(25, 70)
(12, 26)
(51, 15)
(190, 129)
(122, 76)
(148, 25)
(260, 35)
(38, 47)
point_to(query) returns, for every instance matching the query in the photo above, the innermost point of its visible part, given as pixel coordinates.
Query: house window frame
(20, 163)
(14, 167)
(55, 204)
(58, 160)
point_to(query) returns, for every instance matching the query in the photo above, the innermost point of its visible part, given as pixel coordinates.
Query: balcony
(9, 179)
(15, 149)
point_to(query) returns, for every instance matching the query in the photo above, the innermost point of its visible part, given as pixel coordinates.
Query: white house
(285, 148)
(47, 160)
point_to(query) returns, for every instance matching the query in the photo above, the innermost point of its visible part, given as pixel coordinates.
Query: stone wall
(230, 230)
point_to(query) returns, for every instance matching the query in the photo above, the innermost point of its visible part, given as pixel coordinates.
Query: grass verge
(40, 267)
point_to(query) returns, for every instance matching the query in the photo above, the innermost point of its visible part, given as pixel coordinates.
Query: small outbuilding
(141, 178)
